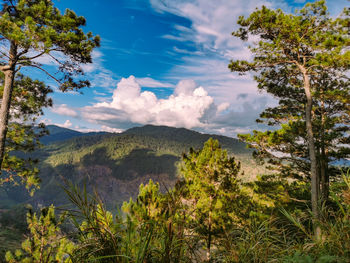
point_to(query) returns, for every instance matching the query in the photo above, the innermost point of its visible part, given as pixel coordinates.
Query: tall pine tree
(295, 53)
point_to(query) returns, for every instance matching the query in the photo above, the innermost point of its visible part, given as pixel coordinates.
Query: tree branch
(46, 72)
(34, 57)
(3, 53)
(22, 53)
(4, 68)
(59, 62)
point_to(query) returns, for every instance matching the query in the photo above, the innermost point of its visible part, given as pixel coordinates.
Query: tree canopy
(32, 29)
(36, 28)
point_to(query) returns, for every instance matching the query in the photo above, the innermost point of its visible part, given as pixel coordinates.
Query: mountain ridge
(116, 163)
(57, 133)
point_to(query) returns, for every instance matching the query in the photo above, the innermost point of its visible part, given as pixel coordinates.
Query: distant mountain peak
(57, 133)
(53, 129)
(150, 129)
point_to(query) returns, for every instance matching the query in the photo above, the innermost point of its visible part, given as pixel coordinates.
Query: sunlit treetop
(34, 28)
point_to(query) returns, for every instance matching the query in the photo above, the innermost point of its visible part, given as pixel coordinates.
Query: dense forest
(163, 194)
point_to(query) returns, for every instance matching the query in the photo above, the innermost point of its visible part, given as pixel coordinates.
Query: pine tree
(149, 204)
(45, 243)
(30, 29)
(330, 117)
(164, 214)
(211, 192)
(294, 51)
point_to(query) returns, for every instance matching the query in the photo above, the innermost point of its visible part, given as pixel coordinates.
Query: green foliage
(215, 202)
(288, 236)
(166, 214)
(334, 245)
(30, 97)
(272, 192)
(38, 28)
(104, 238)
(312, 40)
(45, 243)
(149, 204)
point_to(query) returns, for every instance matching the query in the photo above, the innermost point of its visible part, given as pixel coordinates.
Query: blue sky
(164, 62)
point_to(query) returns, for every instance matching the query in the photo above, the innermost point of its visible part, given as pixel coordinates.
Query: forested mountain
(115, 164)
(57, 133)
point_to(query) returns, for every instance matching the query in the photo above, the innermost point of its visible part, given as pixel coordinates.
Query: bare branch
(59, 62)
(4, 68)
(34, 57)
(46, 72)
(23, 52)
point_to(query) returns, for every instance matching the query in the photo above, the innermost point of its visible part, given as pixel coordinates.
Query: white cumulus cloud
(189, 106)
(109, 129)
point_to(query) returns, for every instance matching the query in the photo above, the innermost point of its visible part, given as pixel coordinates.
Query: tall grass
(286, 236)
(102, 237)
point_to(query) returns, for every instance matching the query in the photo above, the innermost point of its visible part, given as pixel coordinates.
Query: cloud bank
(189, 106)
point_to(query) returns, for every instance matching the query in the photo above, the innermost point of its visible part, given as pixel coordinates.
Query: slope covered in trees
(116, 163)
(210, 215)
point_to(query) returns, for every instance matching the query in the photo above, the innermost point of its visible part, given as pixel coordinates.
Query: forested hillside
(116, 164)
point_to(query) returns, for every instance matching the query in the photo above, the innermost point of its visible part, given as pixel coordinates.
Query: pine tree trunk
(9, 72)
(324, 160)
(209, 232)
(324, 176)
(209, 244)
(312, 153)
